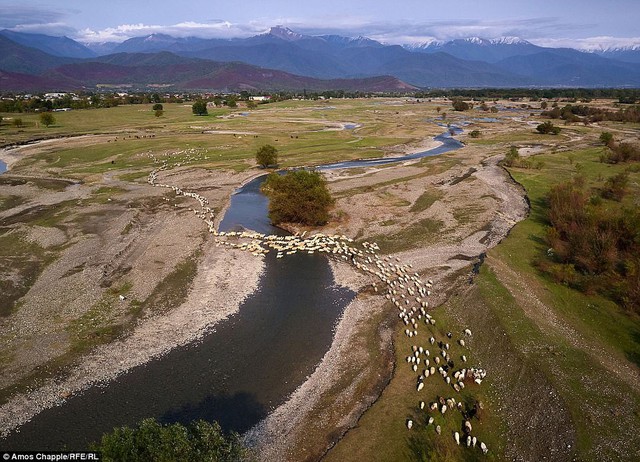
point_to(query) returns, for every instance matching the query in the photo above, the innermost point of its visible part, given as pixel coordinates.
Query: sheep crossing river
(252, 361)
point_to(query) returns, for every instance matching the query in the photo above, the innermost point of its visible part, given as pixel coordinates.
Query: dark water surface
(245, 367)
(248, 365)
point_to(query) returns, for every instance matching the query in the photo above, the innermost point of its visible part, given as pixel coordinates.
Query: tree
(298, 196)
(512, 159)
(151, 441)
(606, 138)
(200, 108)
(17, 122)
(157, 107)
(266, 155)
(251, 104)
(46, 119)
(231, 102)
(548, 128)
(459, 105)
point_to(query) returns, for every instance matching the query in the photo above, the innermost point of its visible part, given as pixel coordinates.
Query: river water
(244, 368)
(3, 167)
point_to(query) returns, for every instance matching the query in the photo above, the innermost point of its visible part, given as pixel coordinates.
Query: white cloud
(54, 28)
(217, 29)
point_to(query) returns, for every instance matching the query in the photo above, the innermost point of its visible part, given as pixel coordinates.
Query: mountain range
(287, 60)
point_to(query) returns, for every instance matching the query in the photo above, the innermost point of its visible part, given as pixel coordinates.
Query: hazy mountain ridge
(56, 46)
(471, 62)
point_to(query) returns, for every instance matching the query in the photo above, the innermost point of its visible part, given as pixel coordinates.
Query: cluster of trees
(618, 152)
(582, 113)
(623, 95)
(594, 245)
(298, 196)
(153, 442)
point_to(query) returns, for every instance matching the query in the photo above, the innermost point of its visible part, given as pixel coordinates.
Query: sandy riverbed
(275, 437)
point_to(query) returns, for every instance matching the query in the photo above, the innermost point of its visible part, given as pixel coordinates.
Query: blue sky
(576, 23)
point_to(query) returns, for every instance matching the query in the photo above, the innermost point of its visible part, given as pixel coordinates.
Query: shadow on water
(238, 412)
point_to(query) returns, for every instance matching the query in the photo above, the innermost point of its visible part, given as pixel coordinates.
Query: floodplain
(80, 226)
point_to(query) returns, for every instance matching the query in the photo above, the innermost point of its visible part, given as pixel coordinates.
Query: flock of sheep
(402, 287)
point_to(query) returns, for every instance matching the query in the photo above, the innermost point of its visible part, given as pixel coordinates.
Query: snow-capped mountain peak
(509, 41)
(285, 33)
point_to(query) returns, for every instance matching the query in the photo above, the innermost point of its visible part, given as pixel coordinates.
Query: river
(244, 368)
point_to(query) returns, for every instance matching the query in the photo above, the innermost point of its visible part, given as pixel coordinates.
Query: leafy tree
(200, 108)
(298, 196)
(606, 138)
(266, 155)
(231, 102)
(152, 442)
(46, 119)
(548, 128)
(512, 159)
(157, 107)
(251, 104)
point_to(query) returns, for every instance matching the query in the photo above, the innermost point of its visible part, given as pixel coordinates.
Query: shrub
(606, 138)
(616, 187)
(298, 197)
(157, 107)
(548, 128)
(475, 134)
(512, 159)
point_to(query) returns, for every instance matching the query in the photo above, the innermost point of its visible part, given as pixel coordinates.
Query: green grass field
(574, 353)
